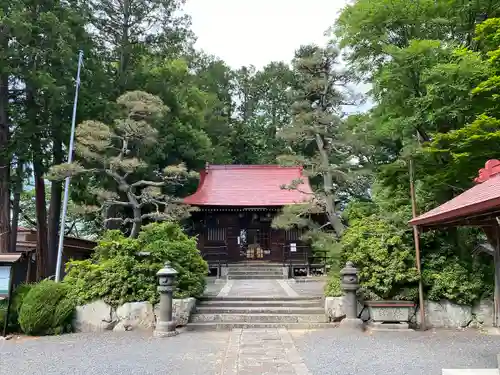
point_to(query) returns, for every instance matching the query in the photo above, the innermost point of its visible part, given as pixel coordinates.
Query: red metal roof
(249, 185)
(479, 199)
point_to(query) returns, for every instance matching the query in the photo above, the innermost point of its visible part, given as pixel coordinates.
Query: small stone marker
(349, 283)
(165, 326)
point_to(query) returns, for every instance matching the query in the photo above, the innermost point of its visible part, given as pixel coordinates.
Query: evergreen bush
(124, 269)
(17, 299)
(46, 309)
(332, 287)
(385, 261)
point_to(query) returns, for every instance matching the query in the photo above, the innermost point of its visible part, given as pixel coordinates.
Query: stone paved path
(257, 288)
(262, 351)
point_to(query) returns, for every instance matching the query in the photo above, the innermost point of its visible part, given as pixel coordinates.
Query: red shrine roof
(249, 185)
(478, 200)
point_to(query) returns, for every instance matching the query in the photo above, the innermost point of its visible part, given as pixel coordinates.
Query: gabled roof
(478, 200)
(250, 186)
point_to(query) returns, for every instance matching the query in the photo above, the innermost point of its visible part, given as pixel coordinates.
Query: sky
(256, 32)
(244, 32)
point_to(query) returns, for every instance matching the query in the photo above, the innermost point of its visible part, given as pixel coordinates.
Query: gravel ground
(312, 288)
(190, 353)
(325, 352)
(332, 352)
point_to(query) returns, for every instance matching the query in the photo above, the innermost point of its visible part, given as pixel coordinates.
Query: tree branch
(147, 183)
(118, 203)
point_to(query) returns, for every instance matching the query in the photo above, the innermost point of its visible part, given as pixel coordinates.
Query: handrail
(222, 257)
(305, 254)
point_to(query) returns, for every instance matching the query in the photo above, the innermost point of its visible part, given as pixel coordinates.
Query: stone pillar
(349, 283)
(165, 326)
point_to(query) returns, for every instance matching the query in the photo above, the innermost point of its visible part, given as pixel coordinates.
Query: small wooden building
(74, 249)
(237, 204)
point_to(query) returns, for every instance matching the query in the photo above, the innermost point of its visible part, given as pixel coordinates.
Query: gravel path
(337, 352)
(130, 353)
(322, 352)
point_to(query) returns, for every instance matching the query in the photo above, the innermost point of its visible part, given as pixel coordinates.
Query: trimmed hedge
(46, 309)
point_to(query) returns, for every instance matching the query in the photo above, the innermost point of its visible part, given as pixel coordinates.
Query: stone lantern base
(351, 323)
(165, 329)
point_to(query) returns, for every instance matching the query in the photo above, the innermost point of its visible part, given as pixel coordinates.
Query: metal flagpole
(70, 160)
(416, 237)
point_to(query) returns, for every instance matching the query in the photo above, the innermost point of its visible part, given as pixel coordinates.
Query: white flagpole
(66, 185)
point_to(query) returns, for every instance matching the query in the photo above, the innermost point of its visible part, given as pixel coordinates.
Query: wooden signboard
(7, 263)
(5, 278)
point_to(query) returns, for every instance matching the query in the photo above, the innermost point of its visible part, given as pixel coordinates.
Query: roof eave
(462, 212)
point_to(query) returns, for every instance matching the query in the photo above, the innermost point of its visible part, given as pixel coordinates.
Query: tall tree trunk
(16, 204)
(334, 219)
(5, 158)
(38, 172)
(41, 215)
(54, 208)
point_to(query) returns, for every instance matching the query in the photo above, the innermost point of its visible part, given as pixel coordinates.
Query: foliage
(456, 280)
(124, 269)
(432, 66)
(433, 88)
(116, 152)
(383, 257)
(17, 300)
(78, 224)
(332, 287)
(46, 309)
(315, 137)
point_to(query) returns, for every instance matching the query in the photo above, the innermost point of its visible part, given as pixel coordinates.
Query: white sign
(4, 280)
(293, 247)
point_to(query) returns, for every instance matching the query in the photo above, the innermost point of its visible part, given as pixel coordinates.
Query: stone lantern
(350, 284)
(165, 326)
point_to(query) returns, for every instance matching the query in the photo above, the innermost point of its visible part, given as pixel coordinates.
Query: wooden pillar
(496, 257)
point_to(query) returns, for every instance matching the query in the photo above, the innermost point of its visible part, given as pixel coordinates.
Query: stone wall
(98, 316)
(443, 314)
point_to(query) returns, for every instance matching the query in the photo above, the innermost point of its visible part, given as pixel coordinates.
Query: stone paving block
(267, 351)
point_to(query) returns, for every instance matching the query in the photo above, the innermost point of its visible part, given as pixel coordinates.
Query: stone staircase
(255, 271)
(221, 313)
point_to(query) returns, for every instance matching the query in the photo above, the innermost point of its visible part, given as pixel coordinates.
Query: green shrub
(17, 299)
(118, 273)
(332, 287)
(455, 280)
(383, 257)
(46, 309)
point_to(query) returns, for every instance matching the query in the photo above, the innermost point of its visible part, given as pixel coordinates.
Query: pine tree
(119, 152)
(315, 135)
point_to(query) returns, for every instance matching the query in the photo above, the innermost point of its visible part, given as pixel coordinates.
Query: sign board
(293, 247)
(4, 280)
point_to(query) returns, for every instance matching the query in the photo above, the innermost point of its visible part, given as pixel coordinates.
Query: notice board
(4, 280)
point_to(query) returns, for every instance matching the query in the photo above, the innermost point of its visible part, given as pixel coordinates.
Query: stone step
(212, 326)
(255, 272)
(269, 304)
(254, 277)
(260, 318)
(255, 269)
(262, 298)
(254, 264)
(259, 310)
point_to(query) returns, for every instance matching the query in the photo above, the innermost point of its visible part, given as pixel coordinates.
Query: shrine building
(237, 204)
